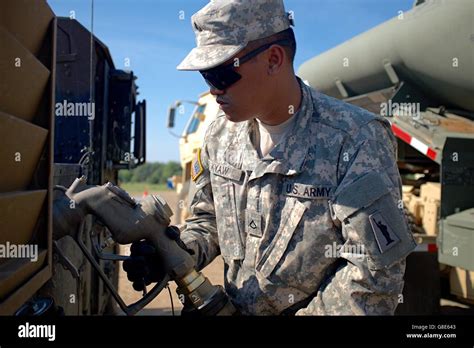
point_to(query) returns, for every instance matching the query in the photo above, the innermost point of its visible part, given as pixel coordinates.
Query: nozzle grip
(135, 307)
(177, 262)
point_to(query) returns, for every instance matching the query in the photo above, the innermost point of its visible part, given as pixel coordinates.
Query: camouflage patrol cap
(223, 28)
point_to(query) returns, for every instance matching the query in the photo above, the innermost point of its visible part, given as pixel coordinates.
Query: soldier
(286, 171)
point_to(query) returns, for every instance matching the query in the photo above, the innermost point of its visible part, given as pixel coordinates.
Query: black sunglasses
(222, 77)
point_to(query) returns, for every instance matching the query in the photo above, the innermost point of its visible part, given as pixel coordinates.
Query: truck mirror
(139, 151)
(171, 115)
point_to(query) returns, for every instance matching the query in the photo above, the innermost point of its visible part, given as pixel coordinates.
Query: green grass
(137, 188)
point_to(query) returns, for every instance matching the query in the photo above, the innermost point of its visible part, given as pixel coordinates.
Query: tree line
(152, 173)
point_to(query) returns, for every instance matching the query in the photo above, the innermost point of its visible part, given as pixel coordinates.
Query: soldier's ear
(276, 58)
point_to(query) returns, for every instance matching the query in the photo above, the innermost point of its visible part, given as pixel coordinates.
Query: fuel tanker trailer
(417, 70)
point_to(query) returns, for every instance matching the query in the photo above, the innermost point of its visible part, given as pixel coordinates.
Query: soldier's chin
(233, 116)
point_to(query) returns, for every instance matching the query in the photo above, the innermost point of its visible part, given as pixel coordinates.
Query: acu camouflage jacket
(316, 227)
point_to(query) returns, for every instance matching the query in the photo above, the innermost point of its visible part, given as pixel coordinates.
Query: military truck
(65, 111)
(418, 71)
(204, 112)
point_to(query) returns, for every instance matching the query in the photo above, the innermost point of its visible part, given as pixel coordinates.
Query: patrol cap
(223, 28)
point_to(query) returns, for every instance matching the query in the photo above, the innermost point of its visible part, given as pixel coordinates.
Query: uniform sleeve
(368, 279)
(200, 232)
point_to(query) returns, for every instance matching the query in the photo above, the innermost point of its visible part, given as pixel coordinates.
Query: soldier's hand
(143, 267)
(173, 233)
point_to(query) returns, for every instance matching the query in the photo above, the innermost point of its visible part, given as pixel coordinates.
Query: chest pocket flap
(291, 217)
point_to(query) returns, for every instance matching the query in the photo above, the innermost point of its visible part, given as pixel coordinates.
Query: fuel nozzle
(129, 221)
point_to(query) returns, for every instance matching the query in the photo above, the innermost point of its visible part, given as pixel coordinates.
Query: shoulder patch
(384, 235)
(197, 169)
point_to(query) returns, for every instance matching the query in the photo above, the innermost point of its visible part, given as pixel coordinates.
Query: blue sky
(152, 36)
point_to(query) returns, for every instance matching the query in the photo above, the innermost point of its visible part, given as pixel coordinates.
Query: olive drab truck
(417, 70)
(65, 111)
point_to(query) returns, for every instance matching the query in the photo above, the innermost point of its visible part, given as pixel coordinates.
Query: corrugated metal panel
(22, 146)
(27, 67)
(24, 78)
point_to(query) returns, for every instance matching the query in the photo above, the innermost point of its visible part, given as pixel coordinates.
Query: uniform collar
(289, 155)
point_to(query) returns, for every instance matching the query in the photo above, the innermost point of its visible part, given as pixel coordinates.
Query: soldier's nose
(214, 91)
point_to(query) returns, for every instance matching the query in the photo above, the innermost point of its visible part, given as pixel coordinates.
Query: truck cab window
(196, 119)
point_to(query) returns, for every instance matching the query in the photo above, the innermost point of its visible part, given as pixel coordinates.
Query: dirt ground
(161, 305)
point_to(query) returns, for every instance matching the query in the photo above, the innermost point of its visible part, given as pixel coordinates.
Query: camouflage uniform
(330, 182)
(278, 221)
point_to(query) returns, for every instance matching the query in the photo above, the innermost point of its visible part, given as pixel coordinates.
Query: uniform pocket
(228, 224)
(368, 209)
(290, 218)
